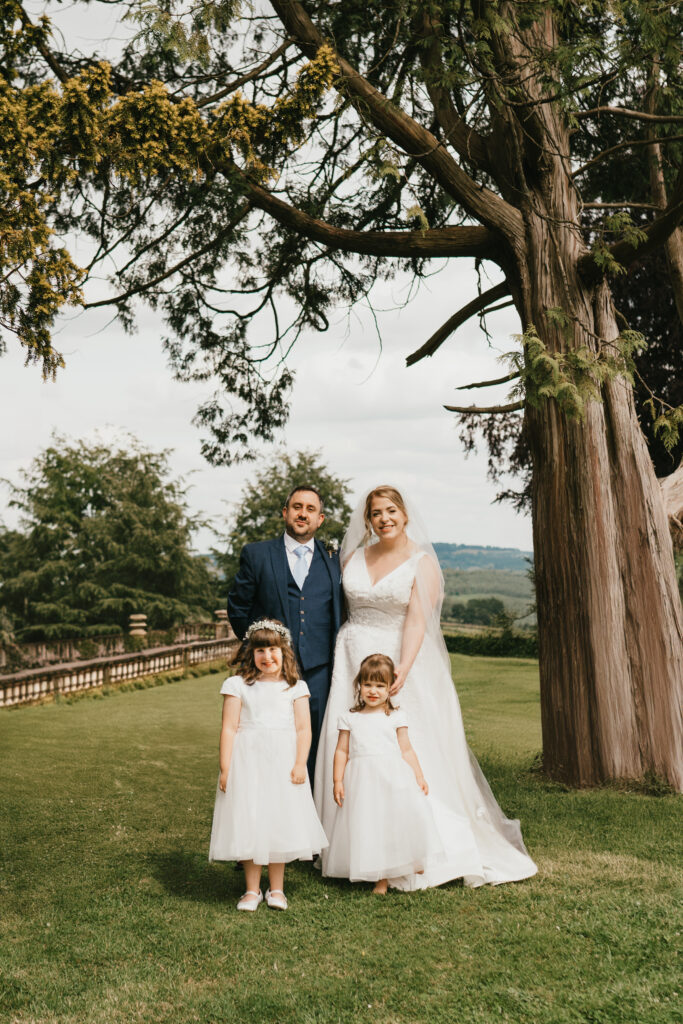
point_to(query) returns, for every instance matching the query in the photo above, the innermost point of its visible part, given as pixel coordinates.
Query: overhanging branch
(455, 241)
(634, 115)
(405, 131)
(457, 320)
(487, 410)
(490, 383)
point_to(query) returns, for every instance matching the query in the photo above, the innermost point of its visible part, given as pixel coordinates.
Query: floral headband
(276, 627)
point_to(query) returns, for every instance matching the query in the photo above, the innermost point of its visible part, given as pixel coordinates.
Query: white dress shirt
(290, 547)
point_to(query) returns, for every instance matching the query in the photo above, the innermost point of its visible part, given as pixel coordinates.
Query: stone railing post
(137, 625)
(222, 625)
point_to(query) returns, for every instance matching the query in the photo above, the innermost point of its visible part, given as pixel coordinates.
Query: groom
(296, 580)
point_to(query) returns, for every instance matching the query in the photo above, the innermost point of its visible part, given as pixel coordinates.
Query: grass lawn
(110, 912)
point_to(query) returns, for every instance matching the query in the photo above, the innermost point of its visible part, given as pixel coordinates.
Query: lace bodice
(384, 605)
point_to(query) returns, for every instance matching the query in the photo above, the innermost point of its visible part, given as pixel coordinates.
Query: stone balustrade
(34, 684)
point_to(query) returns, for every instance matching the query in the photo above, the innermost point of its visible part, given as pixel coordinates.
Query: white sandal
(250, 900)
(276, 899)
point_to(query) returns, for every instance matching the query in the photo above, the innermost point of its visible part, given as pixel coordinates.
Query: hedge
(494, 645)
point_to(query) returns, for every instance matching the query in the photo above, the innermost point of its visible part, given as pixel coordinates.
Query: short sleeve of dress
(399, 719)
(299, 690)
(344, 722)
(232, 687)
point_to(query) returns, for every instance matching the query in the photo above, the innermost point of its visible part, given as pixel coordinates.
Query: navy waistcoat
(311, 613)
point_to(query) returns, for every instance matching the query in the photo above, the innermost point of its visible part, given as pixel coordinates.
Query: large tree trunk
(609, 612)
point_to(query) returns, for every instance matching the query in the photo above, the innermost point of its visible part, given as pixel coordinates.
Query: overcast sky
(372, 419)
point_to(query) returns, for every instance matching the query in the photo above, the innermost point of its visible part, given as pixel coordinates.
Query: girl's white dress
(385, 826)
(263, 816)
(481, 844)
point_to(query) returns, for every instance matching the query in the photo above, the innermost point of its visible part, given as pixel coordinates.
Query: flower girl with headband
(384, 827)
(264, 811)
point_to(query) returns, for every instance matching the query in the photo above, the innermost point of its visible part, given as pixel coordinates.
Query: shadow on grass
(191, 877)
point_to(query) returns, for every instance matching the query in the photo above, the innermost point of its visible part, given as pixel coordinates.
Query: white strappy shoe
(276, 899)
(250, 900)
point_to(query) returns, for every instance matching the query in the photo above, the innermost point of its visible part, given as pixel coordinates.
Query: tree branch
(490, 383)
(412, 137)
(656, 234)
(619, 206)
(455, 241)
(489, 410)
(49, 58)
(624, 145)
(467, 142)
(239, 82)
(146, 285)
(457, 320)
(634, 115)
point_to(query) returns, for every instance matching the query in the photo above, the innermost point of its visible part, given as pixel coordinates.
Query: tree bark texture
(609, 612)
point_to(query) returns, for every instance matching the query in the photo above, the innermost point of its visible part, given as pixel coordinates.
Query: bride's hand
(399, 680)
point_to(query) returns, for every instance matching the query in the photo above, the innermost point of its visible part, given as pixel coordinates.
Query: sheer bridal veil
(437, 695)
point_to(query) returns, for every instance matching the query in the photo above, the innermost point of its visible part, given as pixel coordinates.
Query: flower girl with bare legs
(384, 826)
(264, 812)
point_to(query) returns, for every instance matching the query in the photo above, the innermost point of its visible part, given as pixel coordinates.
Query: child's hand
(422, 783)
(339, 793)
(298, 774)
(223, 781)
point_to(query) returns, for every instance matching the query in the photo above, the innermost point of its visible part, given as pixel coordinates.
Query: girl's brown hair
(267, 638)
(376, 668)
(385, 491)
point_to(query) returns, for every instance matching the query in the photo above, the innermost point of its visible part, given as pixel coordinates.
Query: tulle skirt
(263, 816)
(385, 826)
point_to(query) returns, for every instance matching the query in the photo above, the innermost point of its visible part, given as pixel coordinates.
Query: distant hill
(464, 556)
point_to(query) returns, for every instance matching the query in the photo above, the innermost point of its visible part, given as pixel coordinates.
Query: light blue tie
(300, 568)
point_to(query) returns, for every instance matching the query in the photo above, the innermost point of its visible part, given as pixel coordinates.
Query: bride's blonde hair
(384, 491)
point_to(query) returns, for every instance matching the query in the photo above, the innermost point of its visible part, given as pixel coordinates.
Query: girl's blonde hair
(376, 668)
(266, 637)
(385, 491)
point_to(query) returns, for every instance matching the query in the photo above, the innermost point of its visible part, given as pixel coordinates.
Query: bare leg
(381, 887)
(276, 877)
(252, 875)
(275, 897)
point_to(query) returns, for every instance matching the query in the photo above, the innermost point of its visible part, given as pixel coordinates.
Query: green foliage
(620, 227)
(575, 375)
(667, 424)
(155, 161)
(494, 645)
(483, 611)
(104, 533)
(258, 515)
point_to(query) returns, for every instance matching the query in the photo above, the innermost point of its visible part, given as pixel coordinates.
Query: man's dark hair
(306, 487)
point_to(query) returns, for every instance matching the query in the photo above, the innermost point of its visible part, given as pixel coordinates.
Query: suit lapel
(278, 562)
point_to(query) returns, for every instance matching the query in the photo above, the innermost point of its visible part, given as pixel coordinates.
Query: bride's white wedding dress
(481, 844)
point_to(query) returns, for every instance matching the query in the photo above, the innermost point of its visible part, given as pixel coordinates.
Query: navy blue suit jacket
(260, 587)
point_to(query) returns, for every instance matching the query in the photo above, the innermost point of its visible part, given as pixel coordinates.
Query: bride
(394, 591)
